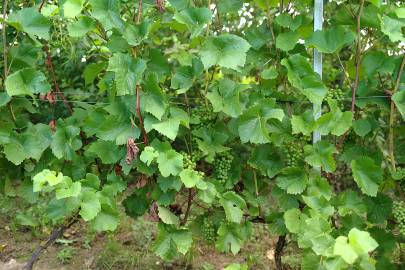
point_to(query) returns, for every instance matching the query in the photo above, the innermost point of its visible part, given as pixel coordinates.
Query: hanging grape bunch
(208, 230)
(188, 162)
(337, 95)
(293, 153)
(398, 210)
(203, 116)
(222, 164)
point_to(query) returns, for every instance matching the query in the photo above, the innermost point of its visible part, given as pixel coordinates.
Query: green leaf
(154, 100)
(108, 13)
(167, 217)
(367, 175)
(170, 163)
(128, 72)
(362, 127)
(4, 98)
(170, 241)
(117, 130)
(226, 50)
(72, 8)
(378, 208)
(287, 41)
(293, 180)
(330, 40)
(229, 6)
(392, 27)
(46, 177)
(195, 19)
(32, 22)
(65, 141)
(344, 250)
(135, 34)
(70, 190)
(321, 155)
(266, 160)
(230, 238)
(106, 220)
(92, 71)
(148, 155)
(293, 220)
(399, 100)
(269, 74)
(90, 205)
(304, 123)
(81, 27)
(361, 241)
(27, 81)
(108, 152)
(301, 76)
(233, 205)
(377, 62)
(253, 125)
(335, 122)
(225, 97)
(190, 178)
(168, 128)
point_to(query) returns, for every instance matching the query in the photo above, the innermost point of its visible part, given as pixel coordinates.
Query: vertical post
(318, 21)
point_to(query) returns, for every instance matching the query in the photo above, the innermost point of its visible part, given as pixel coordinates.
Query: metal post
(318, 21)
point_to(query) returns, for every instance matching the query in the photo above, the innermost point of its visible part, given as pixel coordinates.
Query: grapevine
(223, 165)
(208, 230)
(398, 211)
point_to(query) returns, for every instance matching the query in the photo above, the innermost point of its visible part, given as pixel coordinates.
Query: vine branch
(52, 238)
(189, 202)
(357, 57)
(49, 65)
(391, 147)
(41, 5)
(138, 111)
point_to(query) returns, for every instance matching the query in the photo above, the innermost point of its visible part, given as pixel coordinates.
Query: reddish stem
(138, 111)
(51, 69)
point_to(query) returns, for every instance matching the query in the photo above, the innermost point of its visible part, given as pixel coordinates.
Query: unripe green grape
(208, 230)
(222, 164)
(398, 210)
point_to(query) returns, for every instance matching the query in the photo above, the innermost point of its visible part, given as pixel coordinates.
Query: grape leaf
(194, 18)
(27, 81)
(72, 8)
(30, 21)
(293, 180)
(226, 50)
(287, 41)
(367, 175)
(128, 72)
(330, 40)
(233, 205)
(321, 155)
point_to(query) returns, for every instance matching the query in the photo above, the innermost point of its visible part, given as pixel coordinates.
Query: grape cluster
(336, 94)
(398, 209)
(190, 161)
(208, 230)
(204, 115)
(399, 174)
(222, 164)
(293, 153)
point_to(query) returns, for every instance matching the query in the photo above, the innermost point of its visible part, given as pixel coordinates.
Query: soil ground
(127, 248)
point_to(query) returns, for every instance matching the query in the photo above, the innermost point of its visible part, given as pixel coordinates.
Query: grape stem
(358, 56)
(189, 202)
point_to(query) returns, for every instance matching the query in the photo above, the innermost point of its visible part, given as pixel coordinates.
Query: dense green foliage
(202, 112)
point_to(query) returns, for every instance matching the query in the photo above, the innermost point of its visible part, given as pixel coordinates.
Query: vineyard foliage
(202, 112)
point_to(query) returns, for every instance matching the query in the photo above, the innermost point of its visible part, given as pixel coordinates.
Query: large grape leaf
(233, 205)
(72, 8)
(171, 241)
(153, 99)
(321, 155)
(301, 76)
(170, 163)
(32, 22)
(367, 175)
(128, 72)
(392, 27)
(225, 97)
(330, 40)
(253, 125)
(226, 50)
(65, 141)
(335, 122)
(108, 13)
(108, 152)
(81, 27)
(194, 18)
(293, 180)
(27, 81)
(287, 41)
